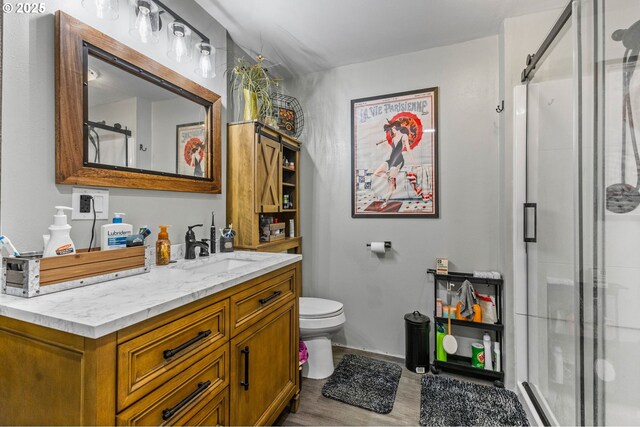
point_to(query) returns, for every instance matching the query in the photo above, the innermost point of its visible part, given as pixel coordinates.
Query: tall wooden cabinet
(260, 183)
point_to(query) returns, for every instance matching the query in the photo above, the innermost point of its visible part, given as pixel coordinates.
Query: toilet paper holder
(387, 245)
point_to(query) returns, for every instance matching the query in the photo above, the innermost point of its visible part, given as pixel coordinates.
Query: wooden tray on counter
(33, 276)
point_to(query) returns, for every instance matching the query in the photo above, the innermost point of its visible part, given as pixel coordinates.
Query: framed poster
(191, 157)
(394, 155)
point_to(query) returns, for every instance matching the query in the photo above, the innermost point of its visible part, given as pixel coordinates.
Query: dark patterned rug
(365, 383)
(449, 402)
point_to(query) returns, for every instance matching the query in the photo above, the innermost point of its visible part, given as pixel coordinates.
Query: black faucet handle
(191, 227)
(204, 251)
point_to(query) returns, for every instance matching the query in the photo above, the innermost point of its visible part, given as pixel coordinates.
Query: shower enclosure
(580, 308)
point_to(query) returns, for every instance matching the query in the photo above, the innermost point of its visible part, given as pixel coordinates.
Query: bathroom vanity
(206, 342)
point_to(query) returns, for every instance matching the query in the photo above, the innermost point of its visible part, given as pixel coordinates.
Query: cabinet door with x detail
(268, 173)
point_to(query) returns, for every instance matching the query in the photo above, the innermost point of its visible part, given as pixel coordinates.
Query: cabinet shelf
(288, 169)
(469, 324)
(288, 184)
(461, 277)
(462, 365)
(288, 210)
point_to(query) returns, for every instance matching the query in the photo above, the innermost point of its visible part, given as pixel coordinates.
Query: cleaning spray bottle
(58, 241)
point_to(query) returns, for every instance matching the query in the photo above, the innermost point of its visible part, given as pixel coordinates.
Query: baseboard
(368, 350)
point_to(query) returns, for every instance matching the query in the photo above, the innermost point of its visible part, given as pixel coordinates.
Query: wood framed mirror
(124, 120)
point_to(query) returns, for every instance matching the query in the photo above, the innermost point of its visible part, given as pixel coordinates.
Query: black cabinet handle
(170, 412)
(201, 335)
(276, 294)
(245, 383)
(528, 238)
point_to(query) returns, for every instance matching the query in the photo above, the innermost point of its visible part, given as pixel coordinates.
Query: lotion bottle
(114, 235)
(163, 246)
(58, 241)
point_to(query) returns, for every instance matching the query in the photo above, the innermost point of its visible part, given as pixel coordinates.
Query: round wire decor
(288, 113)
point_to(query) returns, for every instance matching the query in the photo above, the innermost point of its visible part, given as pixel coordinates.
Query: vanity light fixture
(144, 20)
(206, 66)
(179, 36)
(103, 9)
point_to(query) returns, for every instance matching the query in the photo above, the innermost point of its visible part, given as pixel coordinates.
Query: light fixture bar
(179, 18)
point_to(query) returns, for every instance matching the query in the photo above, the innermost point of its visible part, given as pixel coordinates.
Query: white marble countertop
(100, 309)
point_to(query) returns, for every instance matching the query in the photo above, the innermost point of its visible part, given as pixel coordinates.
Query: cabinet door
(268, 165)
(264, 362)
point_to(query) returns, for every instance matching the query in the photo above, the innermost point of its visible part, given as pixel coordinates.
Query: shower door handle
(529, 207)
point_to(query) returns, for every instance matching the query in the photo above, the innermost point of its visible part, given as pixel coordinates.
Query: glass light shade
(144, 20)
(179, 36)
(206, 64)
(103, 9)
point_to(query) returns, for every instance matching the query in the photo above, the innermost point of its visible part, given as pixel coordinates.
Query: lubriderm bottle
(114, 235)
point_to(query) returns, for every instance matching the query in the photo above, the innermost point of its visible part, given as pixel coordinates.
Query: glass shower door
(553, 309)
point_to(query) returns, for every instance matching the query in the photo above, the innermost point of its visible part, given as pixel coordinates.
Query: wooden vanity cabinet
(227, 359)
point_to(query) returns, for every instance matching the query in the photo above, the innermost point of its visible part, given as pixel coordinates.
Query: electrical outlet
(83, 206)
(85, 203)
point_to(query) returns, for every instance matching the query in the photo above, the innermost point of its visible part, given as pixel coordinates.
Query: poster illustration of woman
(192, 149)
(394, 155)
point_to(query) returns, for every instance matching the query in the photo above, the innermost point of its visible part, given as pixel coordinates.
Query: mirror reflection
(134, 123)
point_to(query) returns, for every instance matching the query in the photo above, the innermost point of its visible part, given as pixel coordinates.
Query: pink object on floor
(304, 354)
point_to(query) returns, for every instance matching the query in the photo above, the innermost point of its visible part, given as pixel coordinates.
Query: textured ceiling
(301, 36)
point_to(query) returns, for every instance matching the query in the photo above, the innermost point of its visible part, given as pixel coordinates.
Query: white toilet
(320, 319)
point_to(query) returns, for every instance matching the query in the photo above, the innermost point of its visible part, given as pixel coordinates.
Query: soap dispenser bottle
(114, 235)
(163, 246)
(58, 241)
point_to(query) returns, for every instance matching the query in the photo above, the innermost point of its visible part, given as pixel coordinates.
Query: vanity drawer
(259, 300)
(153, 359)
(208, 412)
(198, 395)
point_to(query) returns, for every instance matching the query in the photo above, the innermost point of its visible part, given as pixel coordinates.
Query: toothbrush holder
(226, 244)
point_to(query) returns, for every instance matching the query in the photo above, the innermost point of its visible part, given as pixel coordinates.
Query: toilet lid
(318, 308)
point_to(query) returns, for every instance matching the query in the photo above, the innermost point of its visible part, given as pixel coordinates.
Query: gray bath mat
(449, 402)
(363, 382)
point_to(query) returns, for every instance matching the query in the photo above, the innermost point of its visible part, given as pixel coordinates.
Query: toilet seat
(319, 308)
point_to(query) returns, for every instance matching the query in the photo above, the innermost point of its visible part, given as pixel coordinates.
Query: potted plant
(256, 84)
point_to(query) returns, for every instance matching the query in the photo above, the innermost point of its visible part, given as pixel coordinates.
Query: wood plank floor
(315, 409)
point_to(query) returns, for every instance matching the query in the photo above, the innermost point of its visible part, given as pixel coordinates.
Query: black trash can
(416, 342)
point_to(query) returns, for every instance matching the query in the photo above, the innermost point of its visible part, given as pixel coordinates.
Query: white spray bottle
(58, 241)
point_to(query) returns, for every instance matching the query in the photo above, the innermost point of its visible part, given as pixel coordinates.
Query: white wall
(28, 191)
(377, 292)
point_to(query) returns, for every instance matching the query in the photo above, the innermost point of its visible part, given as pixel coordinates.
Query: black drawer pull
(245, 383)
(276, 294)
(201, 335)
(170, 412)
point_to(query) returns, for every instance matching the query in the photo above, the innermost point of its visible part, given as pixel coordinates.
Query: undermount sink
(215, 267)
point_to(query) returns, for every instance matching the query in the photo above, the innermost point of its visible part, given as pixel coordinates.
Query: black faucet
(191, 244)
